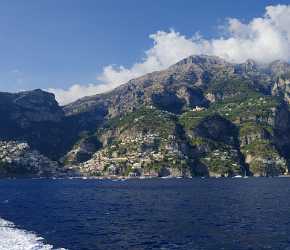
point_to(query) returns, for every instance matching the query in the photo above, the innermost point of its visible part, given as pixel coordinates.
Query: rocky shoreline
(123, 178)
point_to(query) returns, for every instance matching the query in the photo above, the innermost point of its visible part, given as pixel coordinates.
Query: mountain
(203, 116)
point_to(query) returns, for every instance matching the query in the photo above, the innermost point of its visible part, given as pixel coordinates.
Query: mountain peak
(201, 59)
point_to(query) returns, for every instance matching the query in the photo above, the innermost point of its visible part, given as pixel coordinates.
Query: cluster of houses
(20, 155)
(141, 151)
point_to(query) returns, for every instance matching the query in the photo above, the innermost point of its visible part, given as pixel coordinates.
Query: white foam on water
(12, 238)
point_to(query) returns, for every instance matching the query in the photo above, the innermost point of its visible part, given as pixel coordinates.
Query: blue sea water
(236, 214)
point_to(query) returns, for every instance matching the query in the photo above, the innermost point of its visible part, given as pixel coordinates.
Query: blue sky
(57, 43)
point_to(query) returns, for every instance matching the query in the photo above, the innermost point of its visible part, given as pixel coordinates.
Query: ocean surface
(251, 213)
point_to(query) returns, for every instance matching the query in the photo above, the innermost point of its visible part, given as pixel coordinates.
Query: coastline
(122, 178)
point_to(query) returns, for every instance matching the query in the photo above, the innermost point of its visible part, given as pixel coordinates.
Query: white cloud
(76, 91)
(263, 39)
(168, 48)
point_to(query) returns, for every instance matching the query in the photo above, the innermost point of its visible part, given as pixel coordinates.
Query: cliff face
(25, 108)
(36, 118)
(202, 116)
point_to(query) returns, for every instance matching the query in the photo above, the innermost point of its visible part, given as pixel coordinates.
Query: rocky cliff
(36, 118)
(201, 117)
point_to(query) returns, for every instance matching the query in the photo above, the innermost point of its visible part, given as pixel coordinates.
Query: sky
(75, 48)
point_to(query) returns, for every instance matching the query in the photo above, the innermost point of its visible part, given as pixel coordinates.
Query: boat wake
(13, 238)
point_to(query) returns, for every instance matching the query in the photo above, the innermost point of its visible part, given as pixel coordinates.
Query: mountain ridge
(274, 68)
(203, 116)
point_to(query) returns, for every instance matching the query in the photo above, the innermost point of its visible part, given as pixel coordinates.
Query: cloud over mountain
(263, 39)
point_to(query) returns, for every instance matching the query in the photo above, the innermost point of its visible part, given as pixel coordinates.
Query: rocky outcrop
(264, 160)
(25, 108)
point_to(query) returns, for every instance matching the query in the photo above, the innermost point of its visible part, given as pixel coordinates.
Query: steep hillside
(200, 117)
(146, 142)
(195, 81)
(233, 118)
(254, 129)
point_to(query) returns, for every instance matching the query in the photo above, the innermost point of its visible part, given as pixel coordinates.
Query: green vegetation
(247, 109)
(191, 119)
(145, 120)
(222, 162)
(254, 116)
(257, 109)
(150, 137)
(249, 128)
(262, 148)
(230, 88)
(265, 159)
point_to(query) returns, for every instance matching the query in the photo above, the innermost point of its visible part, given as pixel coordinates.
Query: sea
(189, 214)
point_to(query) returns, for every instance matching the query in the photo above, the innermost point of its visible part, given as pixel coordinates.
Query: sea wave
(12, 238)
